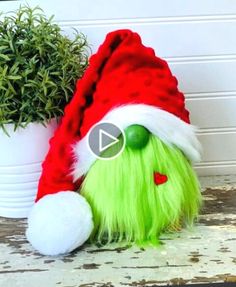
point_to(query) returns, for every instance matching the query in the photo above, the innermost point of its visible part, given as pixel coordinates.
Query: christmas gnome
(150, 187)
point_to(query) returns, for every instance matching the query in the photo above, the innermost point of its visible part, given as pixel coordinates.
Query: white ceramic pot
(21, 156)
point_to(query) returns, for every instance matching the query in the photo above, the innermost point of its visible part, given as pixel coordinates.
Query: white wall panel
(213, 112)
(218, 146)
(6, 6)
(219, 156)
(220, 168)
(121, 9)
(207, 76)
(169, 39)
(198, 40)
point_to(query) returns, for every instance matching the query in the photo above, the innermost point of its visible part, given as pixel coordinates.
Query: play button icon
(106, 140)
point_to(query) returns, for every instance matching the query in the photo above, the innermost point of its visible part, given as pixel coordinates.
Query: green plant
(38, 67)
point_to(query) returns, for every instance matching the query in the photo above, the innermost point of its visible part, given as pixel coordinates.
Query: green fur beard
(126, 203)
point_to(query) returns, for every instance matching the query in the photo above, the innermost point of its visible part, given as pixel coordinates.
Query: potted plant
(38, 70)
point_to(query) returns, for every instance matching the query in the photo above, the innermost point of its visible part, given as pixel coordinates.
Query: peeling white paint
(205, 253)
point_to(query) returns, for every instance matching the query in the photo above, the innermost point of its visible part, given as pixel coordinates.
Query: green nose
(136, 136)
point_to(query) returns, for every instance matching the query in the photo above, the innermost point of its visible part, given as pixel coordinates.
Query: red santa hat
(124, 84)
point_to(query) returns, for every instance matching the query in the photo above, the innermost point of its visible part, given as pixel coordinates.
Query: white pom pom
(59, 223)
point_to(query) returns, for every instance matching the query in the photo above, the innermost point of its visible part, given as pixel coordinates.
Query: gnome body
(150, 187)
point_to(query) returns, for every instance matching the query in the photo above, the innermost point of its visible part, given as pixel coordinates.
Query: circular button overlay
(106, 140)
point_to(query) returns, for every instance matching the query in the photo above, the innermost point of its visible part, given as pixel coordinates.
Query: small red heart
(159, 178)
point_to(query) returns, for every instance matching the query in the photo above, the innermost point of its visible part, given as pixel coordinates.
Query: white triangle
(102, 133)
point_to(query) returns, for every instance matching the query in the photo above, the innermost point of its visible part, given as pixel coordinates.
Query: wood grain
(203, 254)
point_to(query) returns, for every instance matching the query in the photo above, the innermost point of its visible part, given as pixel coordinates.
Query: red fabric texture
(159, 178)
(122, 72)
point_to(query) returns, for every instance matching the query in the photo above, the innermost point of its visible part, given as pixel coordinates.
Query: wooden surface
(207, 253)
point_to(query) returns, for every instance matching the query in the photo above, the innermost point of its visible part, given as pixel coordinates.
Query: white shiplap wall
(198, 38)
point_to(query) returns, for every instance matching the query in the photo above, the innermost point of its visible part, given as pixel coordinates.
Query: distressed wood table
(206, 253)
